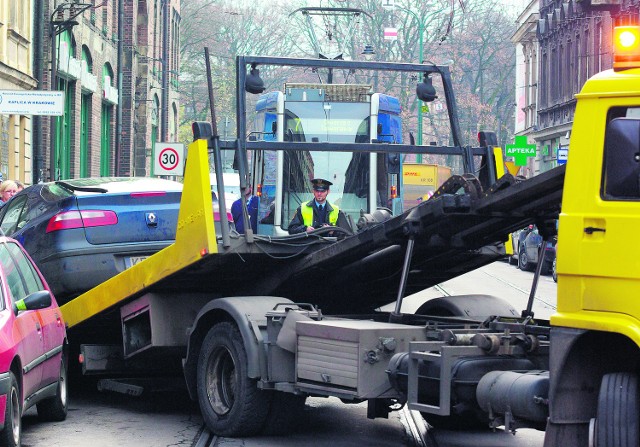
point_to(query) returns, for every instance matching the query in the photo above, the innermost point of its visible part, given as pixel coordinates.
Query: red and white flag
(391, 34)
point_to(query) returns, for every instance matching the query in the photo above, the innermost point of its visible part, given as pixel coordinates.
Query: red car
(33, 345)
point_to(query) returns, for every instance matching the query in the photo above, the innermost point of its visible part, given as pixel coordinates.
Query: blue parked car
(82, 232)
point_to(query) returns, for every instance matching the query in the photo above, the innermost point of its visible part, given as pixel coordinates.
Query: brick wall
(141, 81)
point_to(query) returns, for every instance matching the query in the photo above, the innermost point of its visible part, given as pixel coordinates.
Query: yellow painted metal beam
(195, 238)
(500, 171)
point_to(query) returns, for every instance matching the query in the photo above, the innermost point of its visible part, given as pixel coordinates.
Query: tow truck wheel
(230, 401)
(617, 423)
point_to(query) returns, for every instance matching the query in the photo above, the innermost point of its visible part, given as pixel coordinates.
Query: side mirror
(253, 82)
(35, 301)
(201, 130)
(425, 91)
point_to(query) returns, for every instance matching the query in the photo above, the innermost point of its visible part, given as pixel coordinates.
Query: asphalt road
(167, 418)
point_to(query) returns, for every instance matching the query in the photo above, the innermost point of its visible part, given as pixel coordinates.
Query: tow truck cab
(595, 335)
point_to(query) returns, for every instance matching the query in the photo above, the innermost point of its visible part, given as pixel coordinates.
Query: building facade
(526, 94)
(150, 81)
(572, 42)
(16, 73)
(99, 58)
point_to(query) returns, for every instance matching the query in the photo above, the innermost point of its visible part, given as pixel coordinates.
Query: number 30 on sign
(169, 159)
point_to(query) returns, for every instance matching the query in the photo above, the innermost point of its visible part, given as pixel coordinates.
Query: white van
(231, 187)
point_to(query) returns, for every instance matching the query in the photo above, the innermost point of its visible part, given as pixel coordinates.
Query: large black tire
(285, 413)
(55, 409)
(11, 436)
(523, 261)
(230, 401)
(475, 306)
(618, 419)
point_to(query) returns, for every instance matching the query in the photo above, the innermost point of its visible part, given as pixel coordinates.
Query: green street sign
(425, 109)
(520, 150)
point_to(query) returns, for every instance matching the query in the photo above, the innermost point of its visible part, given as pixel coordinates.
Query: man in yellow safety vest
(318, 212)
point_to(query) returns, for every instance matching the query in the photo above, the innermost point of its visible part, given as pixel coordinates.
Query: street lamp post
(58, 22)
(421, 25)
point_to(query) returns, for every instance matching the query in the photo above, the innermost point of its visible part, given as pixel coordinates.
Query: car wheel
(55, 409)
(230, 401)
(11, 436)
(616, 424)
(523, 260)
(554, 274)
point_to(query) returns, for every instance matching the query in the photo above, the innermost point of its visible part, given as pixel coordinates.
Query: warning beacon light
(626, 51)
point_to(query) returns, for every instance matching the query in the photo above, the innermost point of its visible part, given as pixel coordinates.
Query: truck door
(598, 263)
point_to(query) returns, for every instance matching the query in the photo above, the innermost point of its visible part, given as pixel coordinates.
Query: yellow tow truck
(232, 314)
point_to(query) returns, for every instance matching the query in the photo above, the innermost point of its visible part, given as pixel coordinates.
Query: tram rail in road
(416, 427)
(416, 433)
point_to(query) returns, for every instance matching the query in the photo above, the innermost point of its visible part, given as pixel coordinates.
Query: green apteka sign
(520, 150)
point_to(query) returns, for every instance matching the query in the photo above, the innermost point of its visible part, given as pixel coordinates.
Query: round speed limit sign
(169, 159)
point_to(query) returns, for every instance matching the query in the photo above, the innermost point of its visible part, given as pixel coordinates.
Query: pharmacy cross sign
(520, 150)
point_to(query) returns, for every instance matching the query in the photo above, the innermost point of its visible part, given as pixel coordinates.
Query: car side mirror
(34, 301)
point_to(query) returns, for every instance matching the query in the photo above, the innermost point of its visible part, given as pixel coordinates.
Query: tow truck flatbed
(454, 234)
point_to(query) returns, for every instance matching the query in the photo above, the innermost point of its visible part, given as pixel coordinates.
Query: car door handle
(591, 230)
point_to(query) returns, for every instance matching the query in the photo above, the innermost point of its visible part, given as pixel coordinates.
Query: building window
(544, 76)
(561, 81)
(18, 17)
(599, 49)
(105, 127)
(572, 66)
(579, 56)
(587, 58)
